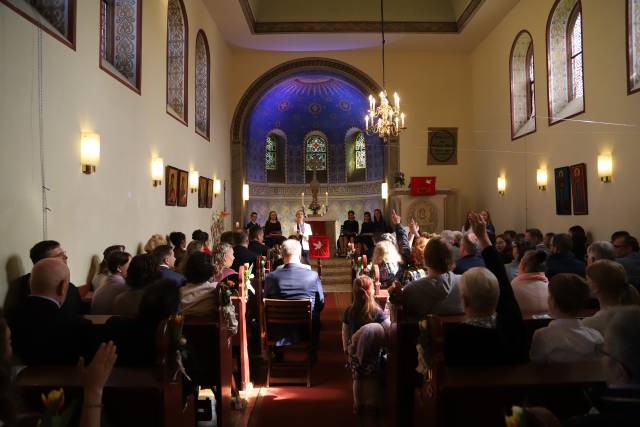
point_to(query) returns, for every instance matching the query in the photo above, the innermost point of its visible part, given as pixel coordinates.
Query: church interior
(488, 142)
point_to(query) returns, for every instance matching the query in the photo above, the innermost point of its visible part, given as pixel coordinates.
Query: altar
(324, 226)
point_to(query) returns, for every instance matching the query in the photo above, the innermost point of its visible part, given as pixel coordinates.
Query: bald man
(43, 333)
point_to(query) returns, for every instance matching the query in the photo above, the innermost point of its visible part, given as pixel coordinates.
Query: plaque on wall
(442, 146)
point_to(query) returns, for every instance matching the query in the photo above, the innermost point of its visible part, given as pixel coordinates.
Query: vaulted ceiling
(314, 25)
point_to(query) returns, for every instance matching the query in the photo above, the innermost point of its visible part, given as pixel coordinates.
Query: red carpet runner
(329, 401)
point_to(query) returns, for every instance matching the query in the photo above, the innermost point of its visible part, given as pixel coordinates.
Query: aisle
(329, 401)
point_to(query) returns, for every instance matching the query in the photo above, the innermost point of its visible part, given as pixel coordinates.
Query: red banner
(319, 247)
(423, 185)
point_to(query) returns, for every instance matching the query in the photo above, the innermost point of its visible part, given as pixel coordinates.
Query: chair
(292, 313)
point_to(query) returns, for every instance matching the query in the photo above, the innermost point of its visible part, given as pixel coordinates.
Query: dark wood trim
(513, 47)
(284, 27)
(551, 121)
(70, 42)
(206, 46)
(629, 55)
(468, 13)
(137, 88)
(185, 120)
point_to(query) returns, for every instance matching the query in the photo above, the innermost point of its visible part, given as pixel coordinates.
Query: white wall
(117, 204)
(600, 129)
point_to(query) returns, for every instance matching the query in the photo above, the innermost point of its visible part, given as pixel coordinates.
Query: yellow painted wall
(611, 123)
(117, 204)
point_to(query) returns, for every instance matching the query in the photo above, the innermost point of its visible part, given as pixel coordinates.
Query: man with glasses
(19, 289)
(624, 247)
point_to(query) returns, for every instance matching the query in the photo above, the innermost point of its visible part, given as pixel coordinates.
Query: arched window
(58, 18)
(565, 60)
(574, 53)
(271, 153)
(521, 72)
(275, 148)
(361, 152)
(177, 60)
(202, 85)
(633, 46)
(120, 40)
(315, 149)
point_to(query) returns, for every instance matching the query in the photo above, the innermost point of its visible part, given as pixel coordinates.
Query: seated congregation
(499, 314)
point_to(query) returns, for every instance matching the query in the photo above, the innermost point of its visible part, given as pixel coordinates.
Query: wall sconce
(605, 167)
(217, 187)
(157, 171)
(384, 190)
(245, 192)
(194, 176)
(89, 152)
(502, 185)
(541, 179)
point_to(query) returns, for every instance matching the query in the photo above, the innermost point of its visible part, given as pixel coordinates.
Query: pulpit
(324, 226)
(432, 213)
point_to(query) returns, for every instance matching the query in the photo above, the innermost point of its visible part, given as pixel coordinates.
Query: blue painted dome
(305, 102)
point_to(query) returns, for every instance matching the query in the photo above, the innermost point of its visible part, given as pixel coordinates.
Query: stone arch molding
(263, 83)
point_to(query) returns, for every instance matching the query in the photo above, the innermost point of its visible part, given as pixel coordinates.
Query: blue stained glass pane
(317, 144)
(271, 154)
(361, 153)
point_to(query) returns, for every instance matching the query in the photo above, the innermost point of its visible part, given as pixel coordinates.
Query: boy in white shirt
(566, 339)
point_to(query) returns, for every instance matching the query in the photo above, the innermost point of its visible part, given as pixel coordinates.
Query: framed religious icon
(202, 192)
(579, 189)
(183, 187)
(563, 190)
(442, 146)
(171, 189)
(209, 193)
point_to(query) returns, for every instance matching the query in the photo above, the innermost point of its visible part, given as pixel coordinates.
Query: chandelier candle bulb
(396, 98)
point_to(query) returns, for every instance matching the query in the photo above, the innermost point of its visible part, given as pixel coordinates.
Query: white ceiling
(233, 25)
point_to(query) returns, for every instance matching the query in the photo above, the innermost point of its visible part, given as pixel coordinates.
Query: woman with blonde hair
(153, 242)
(609, 284)
(388, 260)
(222, 261)
(417, 267)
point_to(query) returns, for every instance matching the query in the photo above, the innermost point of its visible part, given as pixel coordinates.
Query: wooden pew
(485, 392)
(151, 396)
(240, 340)
(259, 287)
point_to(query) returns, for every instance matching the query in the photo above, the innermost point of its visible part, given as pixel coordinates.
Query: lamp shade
(541, 178)
(194, 176)
(89, 152)
(605, 167)
(245, 192)
(217, 186)
(157, 169)
(502, 184)
(384, 190)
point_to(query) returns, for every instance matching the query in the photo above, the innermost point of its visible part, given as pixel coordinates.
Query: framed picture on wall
(442, 146)
(209, 193)
(183, 187)
(579, 189)
(202, 192)
(171, 189)
(563, 190)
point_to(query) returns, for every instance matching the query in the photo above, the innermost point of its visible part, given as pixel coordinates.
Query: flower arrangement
(351, 251)
(248, 275)
(180, 344)
(217, 226)
(517, 417)
(54, 415)
(398, 179)
(228, 310)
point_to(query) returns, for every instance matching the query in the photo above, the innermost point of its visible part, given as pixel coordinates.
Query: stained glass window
(633, 27)
(202, 84)
(361, 152)
(316, 148)
(531, 93)
(271, 153)
(176, 59)
(120, 23)
(575, 44)
(56, 17)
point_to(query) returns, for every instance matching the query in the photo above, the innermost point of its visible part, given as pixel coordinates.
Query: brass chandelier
(384, 119)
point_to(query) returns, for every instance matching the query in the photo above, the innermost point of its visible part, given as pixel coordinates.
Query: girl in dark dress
(379, 224)
(272, 230)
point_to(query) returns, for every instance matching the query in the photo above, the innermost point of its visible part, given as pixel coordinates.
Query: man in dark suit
(562, 259)
(43, 333)
(19, 289)
(256, 238)
(165, 258)
(241, 253)
(253, 221)
(293, 281)
(469, 249)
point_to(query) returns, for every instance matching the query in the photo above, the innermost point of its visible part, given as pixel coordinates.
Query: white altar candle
(326, 198)
(302, 198)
